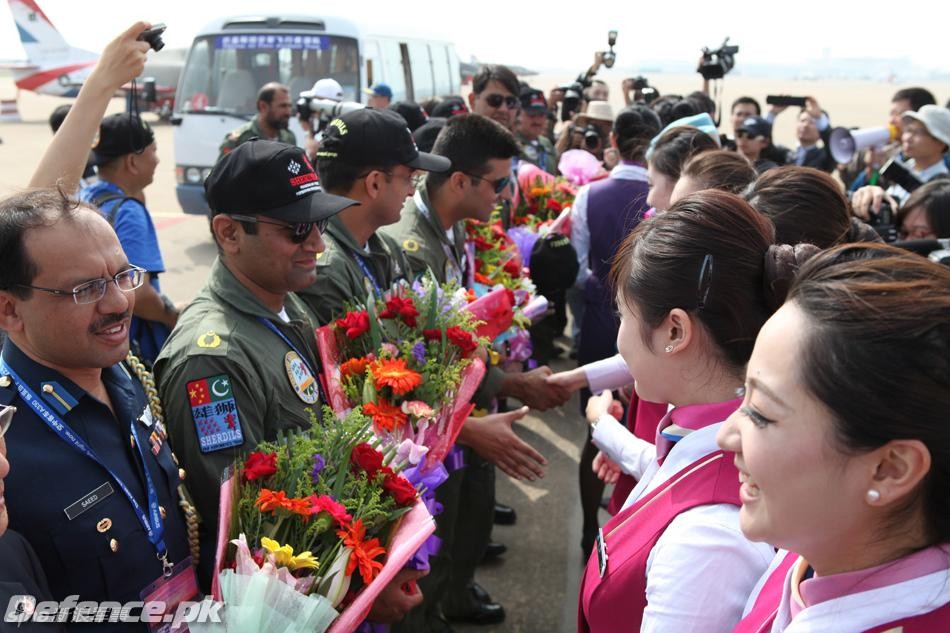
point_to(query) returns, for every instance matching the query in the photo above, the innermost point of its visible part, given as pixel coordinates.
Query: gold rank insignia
(208, 340)
(410, 245)
(5, 381)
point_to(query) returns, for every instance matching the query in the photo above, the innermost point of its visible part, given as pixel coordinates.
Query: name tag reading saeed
(74, 510)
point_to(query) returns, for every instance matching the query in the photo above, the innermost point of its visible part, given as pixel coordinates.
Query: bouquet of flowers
(498, 263)
(315, 521)
(543, 198)
(408, 359)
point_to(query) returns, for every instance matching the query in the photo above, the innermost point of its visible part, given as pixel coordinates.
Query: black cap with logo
(273, 179)
(377, 138)
(121, 134)
(533, 101)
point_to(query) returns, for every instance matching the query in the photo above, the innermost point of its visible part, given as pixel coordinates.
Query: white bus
(232, 58)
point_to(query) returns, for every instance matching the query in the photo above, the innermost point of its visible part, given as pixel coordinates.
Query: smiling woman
(862, 324)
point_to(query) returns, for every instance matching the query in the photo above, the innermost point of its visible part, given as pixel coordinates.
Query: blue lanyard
(367, 273)
(151, 522)
(273, 328)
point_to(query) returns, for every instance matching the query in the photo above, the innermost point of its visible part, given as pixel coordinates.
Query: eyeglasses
(92, 291)
(414, 179)
(495, 100)
(6, 417)
(498, 185)
(299, 232)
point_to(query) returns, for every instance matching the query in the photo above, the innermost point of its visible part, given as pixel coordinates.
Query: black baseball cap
(273, 179)
(411, 112)
(121, 134)
(533, 101)
(756, 126)
(449, 107)
(374, 137)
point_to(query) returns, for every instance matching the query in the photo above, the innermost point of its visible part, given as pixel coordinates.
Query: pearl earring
(668, 349)
(873, 496)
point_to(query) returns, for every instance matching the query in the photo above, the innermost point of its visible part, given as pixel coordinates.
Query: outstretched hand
(122, 60)
(398, 598)
(493, 437)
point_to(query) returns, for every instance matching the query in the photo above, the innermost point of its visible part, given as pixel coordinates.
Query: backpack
(110, 196)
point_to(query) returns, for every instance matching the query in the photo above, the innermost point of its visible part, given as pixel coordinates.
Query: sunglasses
(299, 232)
(6, 417)
(495, 100)
(498, 185)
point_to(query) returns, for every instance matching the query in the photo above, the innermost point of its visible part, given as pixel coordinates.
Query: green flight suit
(340, 277)
(540, 152)
(468, 496)
(248, 131)
(220, 343)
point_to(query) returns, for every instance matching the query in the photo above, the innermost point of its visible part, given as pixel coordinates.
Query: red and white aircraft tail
(53, 67)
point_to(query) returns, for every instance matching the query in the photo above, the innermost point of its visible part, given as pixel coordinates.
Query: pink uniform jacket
(761, 617)
(620, 595)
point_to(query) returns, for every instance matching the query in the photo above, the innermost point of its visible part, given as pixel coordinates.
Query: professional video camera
(325, 110)
(716, 64)
(574, 92)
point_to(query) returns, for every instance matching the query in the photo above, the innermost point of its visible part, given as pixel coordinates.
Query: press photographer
(573, 96)
(318, 106)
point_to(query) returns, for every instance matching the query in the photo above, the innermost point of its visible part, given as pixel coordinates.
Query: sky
(563, 36)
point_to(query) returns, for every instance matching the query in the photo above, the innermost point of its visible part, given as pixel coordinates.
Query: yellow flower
(284, 556)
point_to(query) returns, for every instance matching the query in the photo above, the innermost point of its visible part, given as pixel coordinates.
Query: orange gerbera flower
(270, 501)
(364, 552)
(394, 374)
(386, 417)
(353, 367)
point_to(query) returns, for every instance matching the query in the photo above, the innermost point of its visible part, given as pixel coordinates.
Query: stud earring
(873, 496)
(668, 349)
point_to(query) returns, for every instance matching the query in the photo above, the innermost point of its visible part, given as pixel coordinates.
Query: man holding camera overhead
(274, 109)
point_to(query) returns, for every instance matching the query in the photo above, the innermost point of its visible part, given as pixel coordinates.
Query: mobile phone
(785, 100)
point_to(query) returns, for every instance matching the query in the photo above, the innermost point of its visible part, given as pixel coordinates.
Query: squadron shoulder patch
(215, 413)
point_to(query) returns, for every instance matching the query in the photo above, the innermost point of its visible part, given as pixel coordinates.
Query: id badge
(181, 586)
(601, 553)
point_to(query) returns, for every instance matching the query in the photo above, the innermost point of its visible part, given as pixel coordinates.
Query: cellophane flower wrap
(312, 527)
(408, 358)
(500, 264)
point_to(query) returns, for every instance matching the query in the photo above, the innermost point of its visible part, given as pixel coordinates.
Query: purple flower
(419, 352)
(318, 465)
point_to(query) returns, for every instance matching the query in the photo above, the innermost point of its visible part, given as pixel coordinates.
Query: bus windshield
(224, 71)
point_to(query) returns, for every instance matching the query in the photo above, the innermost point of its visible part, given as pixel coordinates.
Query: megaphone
(846, 143)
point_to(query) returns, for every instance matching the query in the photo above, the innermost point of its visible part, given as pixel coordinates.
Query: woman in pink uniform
(843, 447)
(694, 285)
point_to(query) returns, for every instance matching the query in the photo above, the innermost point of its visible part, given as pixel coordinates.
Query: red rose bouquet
(313, 522)
(408, 359)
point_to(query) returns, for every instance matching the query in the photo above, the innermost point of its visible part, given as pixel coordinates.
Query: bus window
(392, 72)
(422, 87)
(224, 72)
(441, 69)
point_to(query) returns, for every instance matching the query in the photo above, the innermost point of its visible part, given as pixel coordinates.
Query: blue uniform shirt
(102, 552)
(133, 224)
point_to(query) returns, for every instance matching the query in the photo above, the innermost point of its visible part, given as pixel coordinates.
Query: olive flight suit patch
(215, 413)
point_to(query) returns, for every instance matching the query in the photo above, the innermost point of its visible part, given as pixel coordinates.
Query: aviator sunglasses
(495, 100)
(299, 231)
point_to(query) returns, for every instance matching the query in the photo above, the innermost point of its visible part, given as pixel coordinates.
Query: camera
(154, 37)
(716, 64)
(609, 56)
(884, 222)
(324, 109)
(640, 82)
(937, 250)
(593, 138)
(573, 93)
